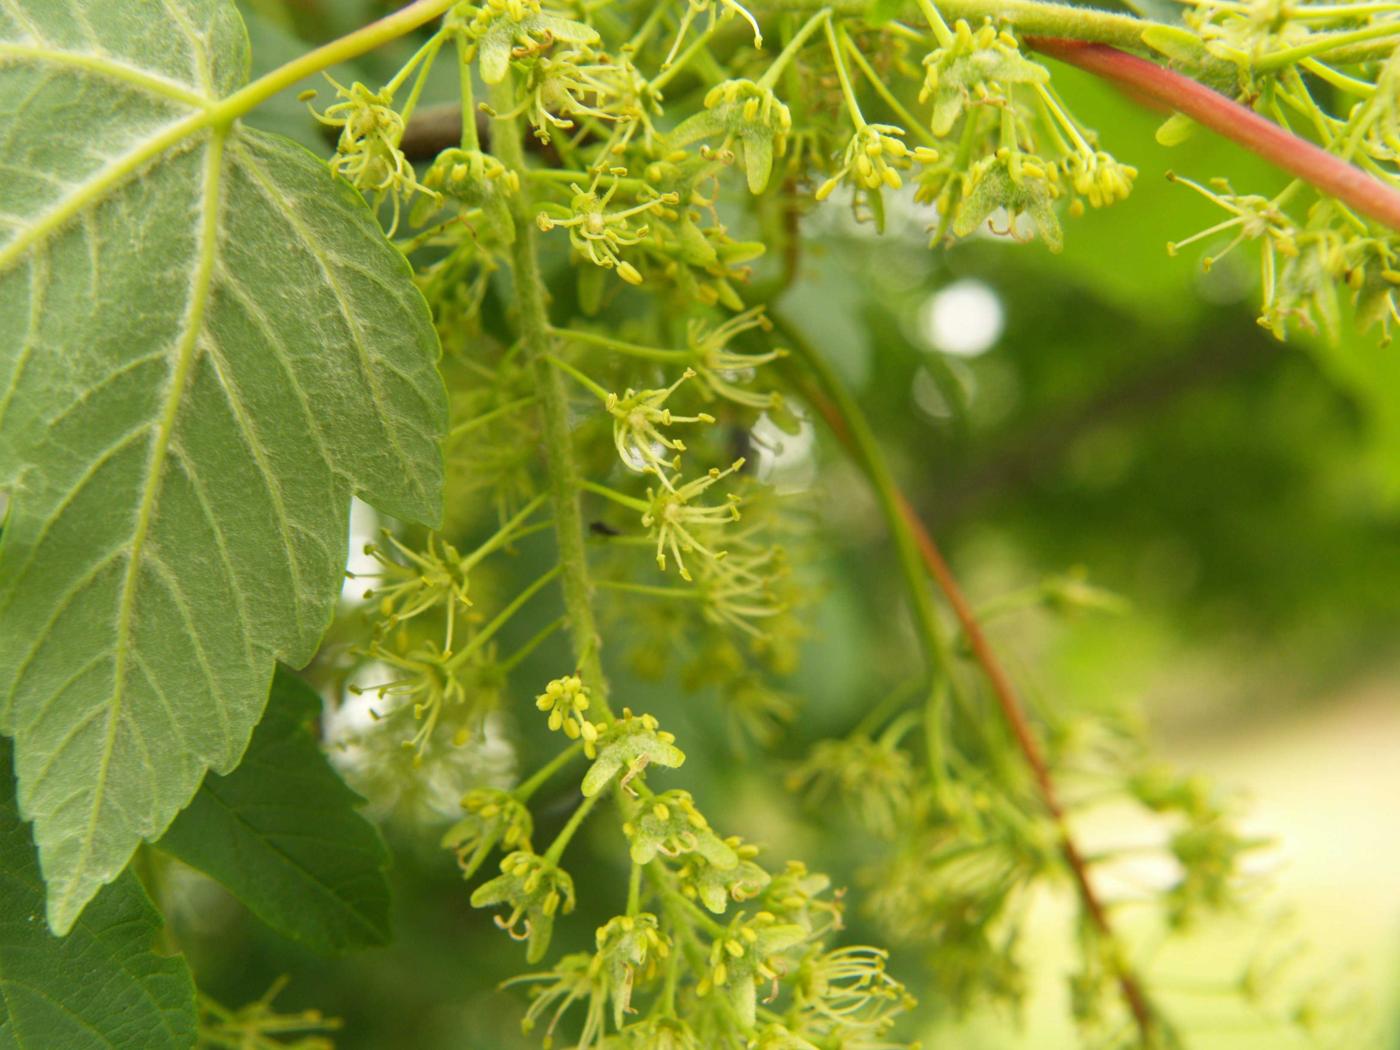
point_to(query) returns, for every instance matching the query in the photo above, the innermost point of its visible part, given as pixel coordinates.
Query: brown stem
(1238, 123)
(1014, 713)
(1012, 710)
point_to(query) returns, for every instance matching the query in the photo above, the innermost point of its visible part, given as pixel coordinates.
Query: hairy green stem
(911, 123)
(422, 61)
(847, 91)
(1328, 43)
(469, 425)
(470, 140)
(1024, 16)
(538, 340)
(526, 788)
(671, 69)
(886, 492)
(502, 618)
(647, 353)
(566, 833)
(345, 48)
(941, 32)
(504, 536)
(513, 661)
(620, 498)
(652, 590)
(582, 380)
(774, 71)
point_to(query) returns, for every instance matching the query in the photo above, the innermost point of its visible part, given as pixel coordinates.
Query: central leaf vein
(185, 355)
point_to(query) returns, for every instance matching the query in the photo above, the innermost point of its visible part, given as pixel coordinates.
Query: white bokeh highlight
(964, 318)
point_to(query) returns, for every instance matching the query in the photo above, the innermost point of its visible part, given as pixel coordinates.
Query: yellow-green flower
(535, 890)
(566, 700)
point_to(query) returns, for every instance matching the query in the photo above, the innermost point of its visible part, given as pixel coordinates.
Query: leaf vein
(199, 287)
(265, 474)
(317, 250)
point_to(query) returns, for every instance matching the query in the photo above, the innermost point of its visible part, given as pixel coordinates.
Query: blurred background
(1110, 410)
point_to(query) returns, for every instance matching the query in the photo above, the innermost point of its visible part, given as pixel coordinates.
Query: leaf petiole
(352, 45)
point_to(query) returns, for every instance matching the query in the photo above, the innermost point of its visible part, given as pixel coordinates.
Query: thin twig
(1012, 709)
(1236, 122)
(1014, 713)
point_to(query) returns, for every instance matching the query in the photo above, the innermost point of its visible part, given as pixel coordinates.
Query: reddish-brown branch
(1015, 714)
(1238, 123)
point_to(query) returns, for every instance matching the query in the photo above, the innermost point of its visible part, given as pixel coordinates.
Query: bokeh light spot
(965, 318)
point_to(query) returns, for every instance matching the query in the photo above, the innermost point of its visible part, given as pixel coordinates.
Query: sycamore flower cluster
(566, 701)
(1315, 252)
(367, 152)
(666, 972)
(638, 417)
(598, 259)
(598, 234)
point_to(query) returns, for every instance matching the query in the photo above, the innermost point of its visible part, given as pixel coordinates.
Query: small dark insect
(602, 528)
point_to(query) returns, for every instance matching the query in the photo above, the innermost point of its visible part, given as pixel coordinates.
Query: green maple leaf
(283, 833)
(206, 347)
(102, 987)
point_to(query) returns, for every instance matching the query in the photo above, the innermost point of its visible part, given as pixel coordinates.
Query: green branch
(352, 45)
(919, 555)
(1024, 16)
(539, 340)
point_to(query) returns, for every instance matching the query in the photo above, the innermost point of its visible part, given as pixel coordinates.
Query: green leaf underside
(102, 986)
(282, 833)
(206, 346)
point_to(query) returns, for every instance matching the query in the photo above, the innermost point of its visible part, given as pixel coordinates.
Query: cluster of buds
(1098, 178)
(1243, 33)
(428, 681)
(506, 30)
(475, 180)
(1019, 183)
(566, 700)
(1252, 218)
(1299, 269)
(745, 113)
(977, 67)
(874, 158)
(435, 578)
(848, 994)
(803, 896)
(494, 817)
(750, 953)
(577, 83)
(714, 886)
(631, 948)
(1206, 845)
(574, 979)
(536, 890)
(628, 746)
(630, 951)
(742, 589)
(1375, 277)
(876, 775)
(671, 825)
(717, 366)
